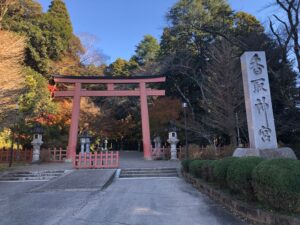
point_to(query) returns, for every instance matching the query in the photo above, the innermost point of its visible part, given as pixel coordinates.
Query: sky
(119, 25)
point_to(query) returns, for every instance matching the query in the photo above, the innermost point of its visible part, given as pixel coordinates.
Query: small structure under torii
(112, 90)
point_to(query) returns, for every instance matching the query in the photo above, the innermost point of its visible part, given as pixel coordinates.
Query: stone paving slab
(80, 180)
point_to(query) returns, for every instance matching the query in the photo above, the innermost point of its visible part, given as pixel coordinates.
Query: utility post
(184, 106)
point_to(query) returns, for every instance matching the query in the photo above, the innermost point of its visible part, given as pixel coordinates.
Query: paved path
(168, 201)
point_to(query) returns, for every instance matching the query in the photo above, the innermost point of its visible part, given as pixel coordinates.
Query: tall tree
(288, 28)
(4, 4)
(224, 90)
(147, 50)
(120, 67)
(11, 78)
(59, 27)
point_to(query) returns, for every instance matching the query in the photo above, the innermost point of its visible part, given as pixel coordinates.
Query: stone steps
(31, 176)
(149, 172)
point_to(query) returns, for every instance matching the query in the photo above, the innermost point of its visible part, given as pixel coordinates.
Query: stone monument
(173, 142)
(260, 118)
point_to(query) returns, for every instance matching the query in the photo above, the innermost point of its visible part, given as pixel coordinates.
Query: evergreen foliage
(147, 50)
(239, 175)
(220, 169)
(277, 184)
(36, 100)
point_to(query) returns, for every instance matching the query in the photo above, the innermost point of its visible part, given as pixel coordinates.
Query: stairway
(148, 172)
(31, 176)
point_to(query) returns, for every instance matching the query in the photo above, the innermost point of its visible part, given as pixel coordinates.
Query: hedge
(277, 184)
(239, 175)
(220, 168)
(207, 170)
(195, 167)
(185, 164)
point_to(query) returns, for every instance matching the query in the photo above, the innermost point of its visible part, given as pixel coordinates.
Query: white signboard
(260, 119)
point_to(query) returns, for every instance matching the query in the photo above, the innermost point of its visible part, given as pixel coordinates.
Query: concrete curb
(109, 181)
(252, 214)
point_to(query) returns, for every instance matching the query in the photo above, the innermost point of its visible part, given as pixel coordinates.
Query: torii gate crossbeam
(110, 91)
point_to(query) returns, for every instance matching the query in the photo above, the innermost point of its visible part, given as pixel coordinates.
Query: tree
(120, 67)
(288, 28)
(49, 35)
(185, 43)
(4, 5)
(59, 29)
(223, 90)
(160, 115)
(11, 78)
(147, 50)
(36, 101)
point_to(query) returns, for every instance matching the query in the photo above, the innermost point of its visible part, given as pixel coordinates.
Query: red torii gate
(110, 91)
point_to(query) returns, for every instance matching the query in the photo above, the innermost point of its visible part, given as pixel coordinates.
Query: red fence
(96, 160)
(18, 155)
(53, 155)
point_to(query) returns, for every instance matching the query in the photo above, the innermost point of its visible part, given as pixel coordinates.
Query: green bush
(239, 175)
(277, 184)
(185, 164)
(195, 168)
(220, 168)
(207, 170)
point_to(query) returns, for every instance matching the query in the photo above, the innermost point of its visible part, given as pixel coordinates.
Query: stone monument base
(266, 153)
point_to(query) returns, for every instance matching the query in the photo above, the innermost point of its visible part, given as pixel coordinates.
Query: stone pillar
(173, 142)
(260, 118)
(36, 143)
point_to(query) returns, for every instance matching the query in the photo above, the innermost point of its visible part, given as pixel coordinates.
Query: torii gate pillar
(145, 123)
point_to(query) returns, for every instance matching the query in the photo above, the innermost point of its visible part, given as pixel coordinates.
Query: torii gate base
(111, 90)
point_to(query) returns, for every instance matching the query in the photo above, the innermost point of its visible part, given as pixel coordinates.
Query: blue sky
(120, 25)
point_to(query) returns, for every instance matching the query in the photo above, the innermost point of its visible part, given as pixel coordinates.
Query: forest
(199, 52)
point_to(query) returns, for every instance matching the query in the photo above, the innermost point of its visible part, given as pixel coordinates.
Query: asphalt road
(157, 201)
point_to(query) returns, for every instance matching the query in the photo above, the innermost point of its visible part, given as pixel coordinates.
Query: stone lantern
(85, 141)
(157, 146)
(173, 140)
(105, 144)
(37, 142)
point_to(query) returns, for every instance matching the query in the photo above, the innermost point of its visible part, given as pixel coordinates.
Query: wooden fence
(102, 160)
(18, 155)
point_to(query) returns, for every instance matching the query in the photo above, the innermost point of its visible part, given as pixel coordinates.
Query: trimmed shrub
(220, 168)
(207, 170)
(277, 183)
(185, 164)
(239, 175)
(195, 168)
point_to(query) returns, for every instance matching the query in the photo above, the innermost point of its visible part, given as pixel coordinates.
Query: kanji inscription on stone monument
(260, 119)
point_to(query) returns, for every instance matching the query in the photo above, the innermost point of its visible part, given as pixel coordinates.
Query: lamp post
(13, 129)
(184, 106)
